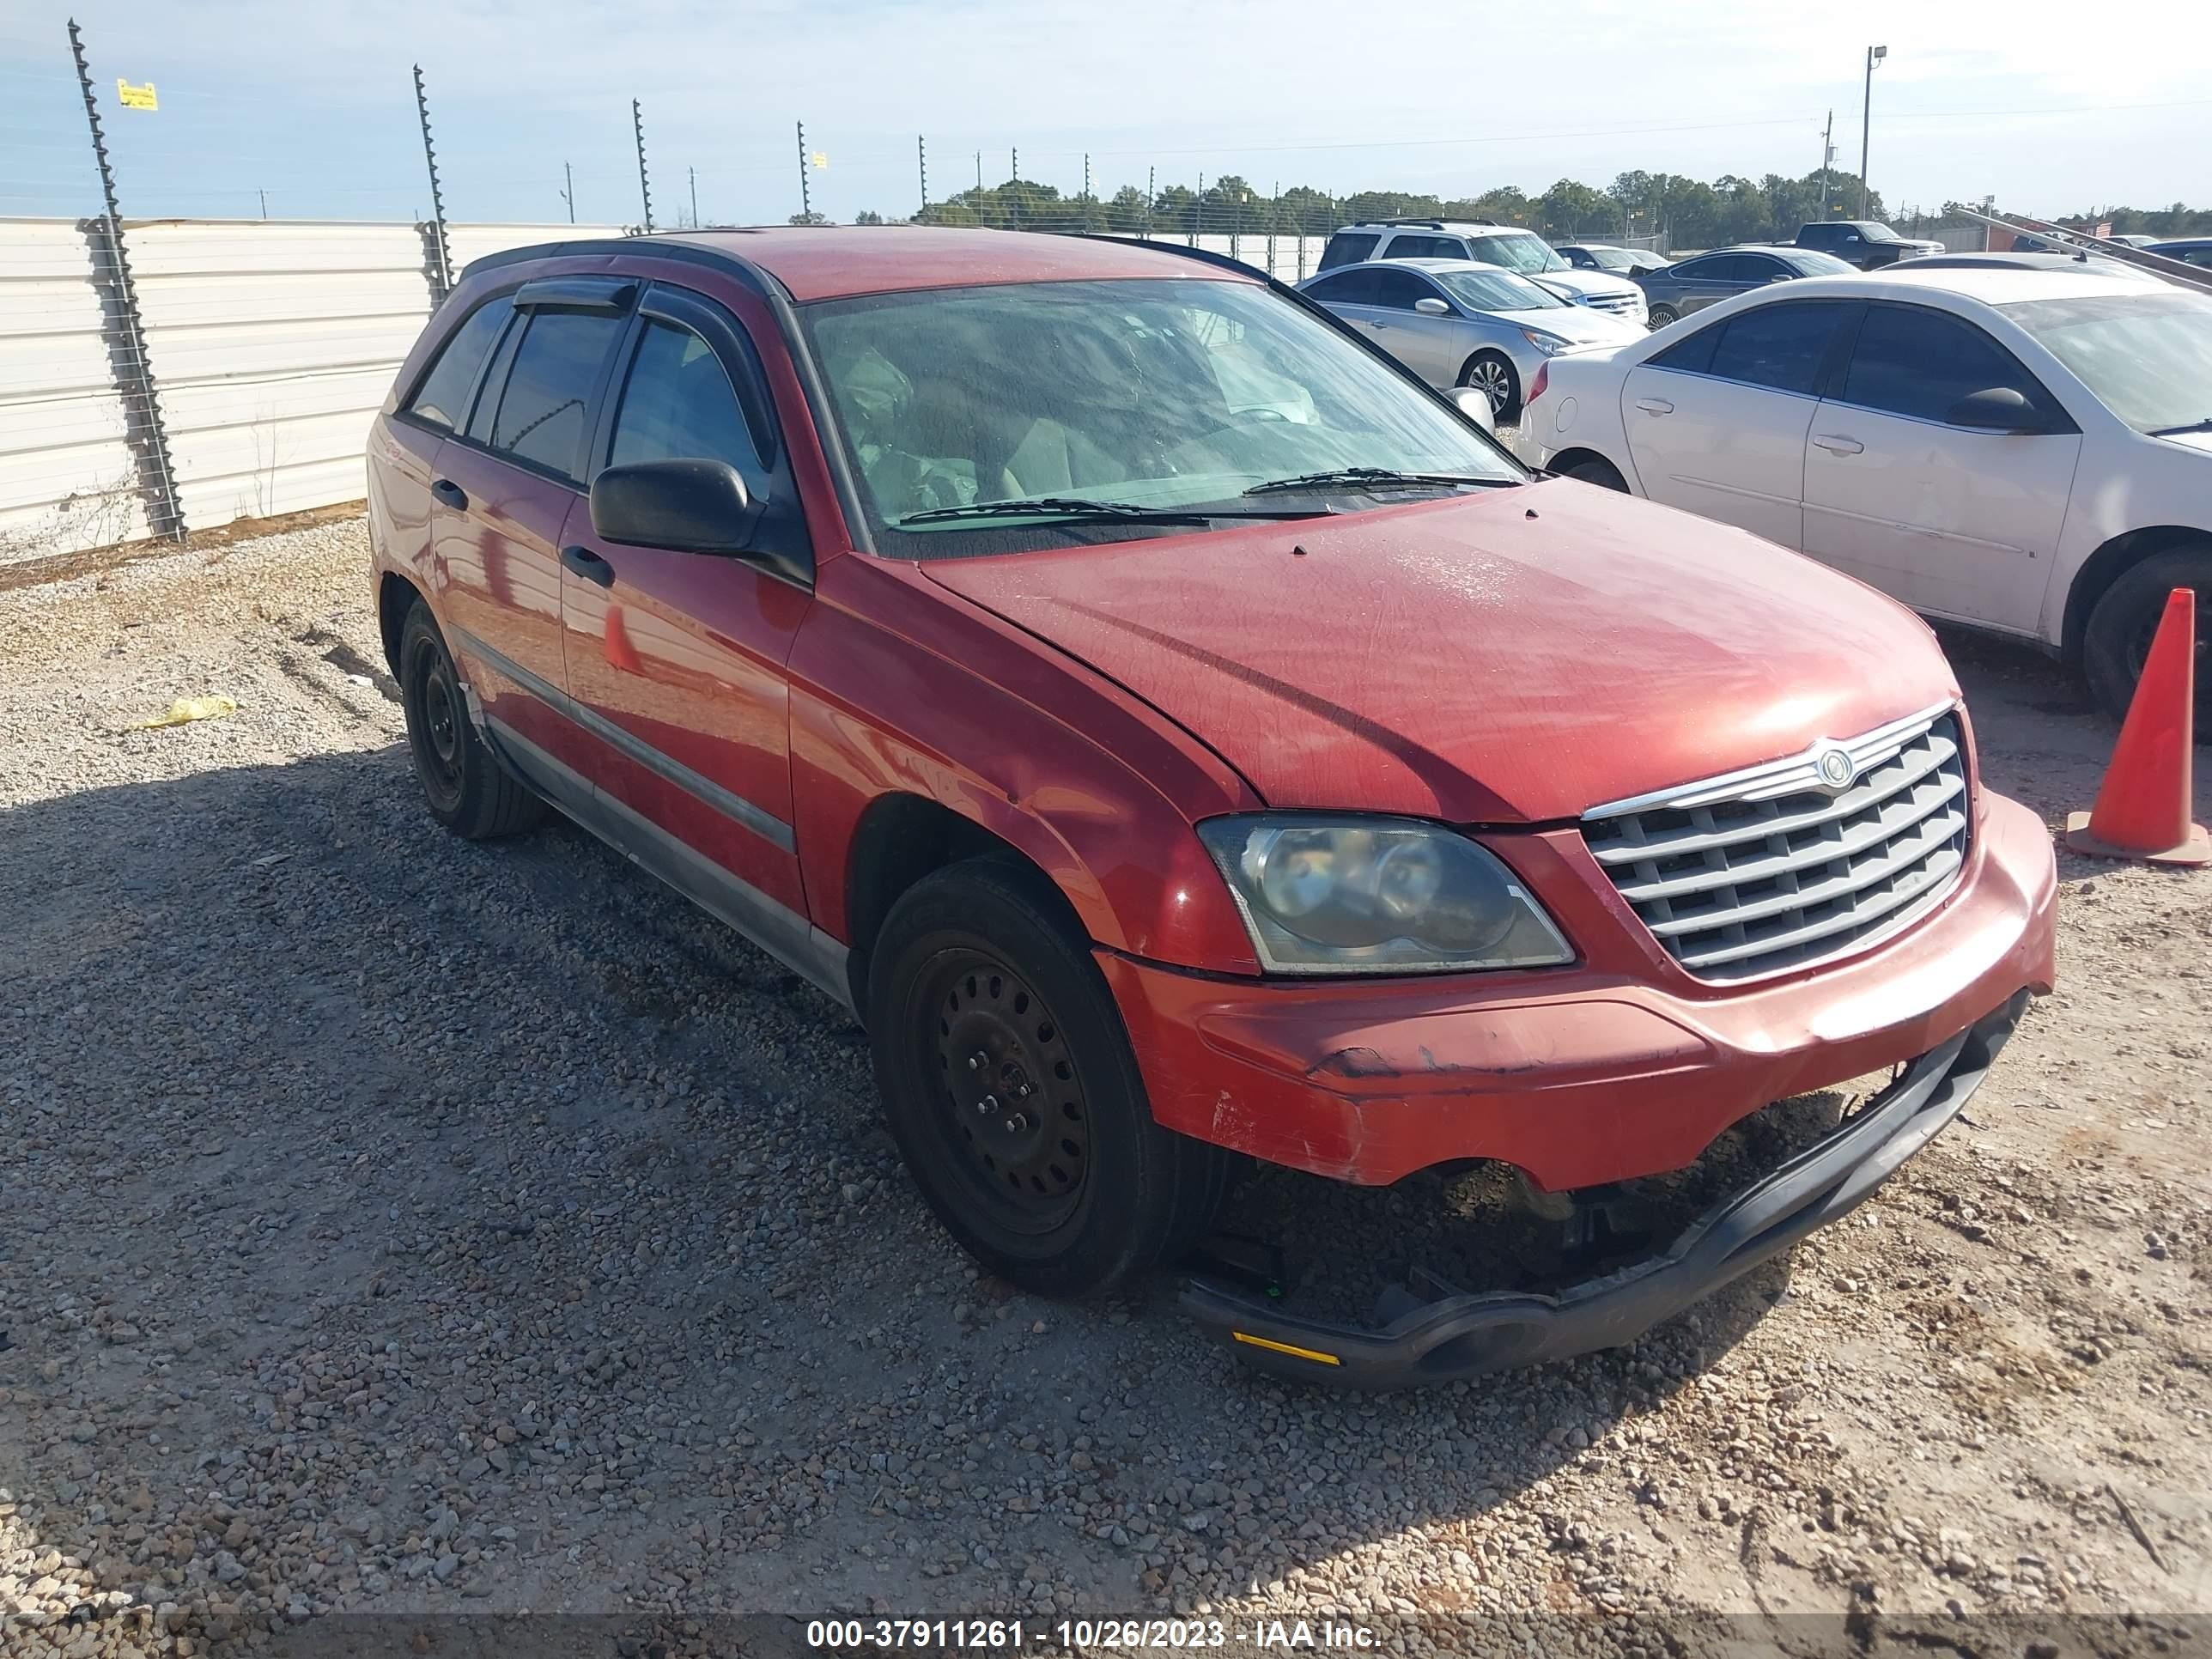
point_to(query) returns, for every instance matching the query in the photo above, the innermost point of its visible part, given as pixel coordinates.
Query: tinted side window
(1913, 361)
(542, 412)
(1696, 270)
(1353, 288)
(1760, 268)
(1425, 247)
(1725, 267)
(1347, 249)
(678, 405)
(442, 398)
(1396, 290)
(1694, 356)
(1779, 346)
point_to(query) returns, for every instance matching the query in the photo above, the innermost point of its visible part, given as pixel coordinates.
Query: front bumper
(1462, 1335)
(1620, 1066)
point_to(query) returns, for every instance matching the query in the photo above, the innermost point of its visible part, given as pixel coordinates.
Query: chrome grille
(1611, 302)
(1767, 869)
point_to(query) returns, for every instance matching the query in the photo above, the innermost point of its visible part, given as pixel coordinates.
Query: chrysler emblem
(1837, 770)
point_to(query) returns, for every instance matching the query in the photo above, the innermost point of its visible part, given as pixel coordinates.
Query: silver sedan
(1457, 323)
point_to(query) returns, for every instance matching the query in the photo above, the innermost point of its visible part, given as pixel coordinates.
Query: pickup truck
(1862, 242)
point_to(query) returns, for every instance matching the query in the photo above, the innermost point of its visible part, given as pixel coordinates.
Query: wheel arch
(1575, 455)
(2107, 566)
(395, 597)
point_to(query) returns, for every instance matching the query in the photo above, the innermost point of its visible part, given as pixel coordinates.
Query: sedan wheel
(1492, 373)
(1662, 315)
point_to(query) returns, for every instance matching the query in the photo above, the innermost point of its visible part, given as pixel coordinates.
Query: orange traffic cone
(622, 655)
(2143, 806)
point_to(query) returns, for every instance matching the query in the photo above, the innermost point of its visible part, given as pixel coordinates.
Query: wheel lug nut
(1017, 1123)
(975, 1061)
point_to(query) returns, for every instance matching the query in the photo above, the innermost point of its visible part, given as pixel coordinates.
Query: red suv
(1177, 732)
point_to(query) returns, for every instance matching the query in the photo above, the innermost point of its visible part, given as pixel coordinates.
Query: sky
(309, 109)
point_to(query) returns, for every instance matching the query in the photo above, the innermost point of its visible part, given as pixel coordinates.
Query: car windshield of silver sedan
(2147, 356)
(994, 419)
(1496, 290)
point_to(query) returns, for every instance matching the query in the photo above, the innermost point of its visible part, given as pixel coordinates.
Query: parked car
(2133, 241)
(2189, 250)
(2027, 452)
(1162, 777)
(1620, 261)
(1863, 244)
(1458, 324)
(1507, 246)
(2065, 264)
(1691, 284)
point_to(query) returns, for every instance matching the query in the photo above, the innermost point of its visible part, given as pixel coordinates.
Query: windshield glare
(1612, 259)
(1169, 393)
(2148, 356)
(1496, 290)
(1818, 264)
(1879, 233)
(1521, 253)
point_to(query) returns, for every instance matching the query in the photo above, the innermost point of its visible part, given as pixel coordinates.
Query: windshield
(1613, 258)
(1167, 394)
(1521, 253)
(2147, 356)
(1817, 264)
(1496, 290)
(1879, 233)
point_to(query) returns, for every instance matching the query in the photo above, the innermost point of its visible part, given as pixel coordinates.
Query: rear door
(507, 483)
(676, 660)
(1954, 521)
(1716, 422)
(405, 448)
(1350, 294)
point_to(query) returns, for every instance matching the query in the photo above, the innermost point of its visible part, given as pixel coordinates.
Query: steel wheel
(1015, 1106)
(435, 733)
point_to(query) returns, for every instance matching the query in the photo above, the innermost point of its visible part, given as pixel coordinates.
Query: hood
(1510, 655)
(1573, 283)
(1578, 323)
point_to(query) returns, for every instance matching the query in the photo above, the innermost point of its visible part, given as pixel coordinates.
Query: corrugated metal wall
(271, 344)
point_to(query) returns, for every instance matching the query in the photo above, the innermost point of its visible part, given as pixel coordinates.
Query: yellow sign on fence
(132, 97)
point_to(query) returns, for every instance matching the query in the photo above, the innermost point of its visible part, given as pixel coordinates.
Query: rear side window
(1347, 248)
(1726, 268)
(1916, 362)
(542, 412)
(1396, 290)
(1779, 346)
(1425, 247)
(443, 397)
(1353, 288)
(679, 405)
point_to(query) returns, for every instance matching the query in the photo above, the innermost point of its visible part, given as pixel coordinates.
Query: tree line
(1685, 212)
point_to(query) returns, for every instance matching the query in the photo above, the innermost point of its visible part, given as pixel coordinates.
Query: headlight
(1550, 344)
(1339, 895)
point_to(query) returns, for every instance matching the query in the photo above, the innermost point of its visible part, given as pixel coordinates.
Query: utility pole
(806, 197)
(568, 189)
(1827, 160)
(437, 197)
(265, 203)
(1874, 55)
(149, 427)
(644, 183)
(922, 161)
(694, 172)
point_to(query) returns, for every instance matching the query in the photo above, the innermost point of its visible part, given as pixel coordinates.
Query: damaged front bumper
(1463, 1334)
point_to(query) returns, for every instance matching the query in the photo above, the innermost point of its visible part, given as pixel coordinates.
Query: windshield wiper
(2204, 425)
(1371, 478)
(1067, 508)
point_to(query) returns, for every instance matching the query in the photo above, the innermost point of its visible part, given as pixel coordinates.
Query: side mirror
(1779, 277)
(689, 507)
(1429, 306)
(1474, 403)
(1995, 408)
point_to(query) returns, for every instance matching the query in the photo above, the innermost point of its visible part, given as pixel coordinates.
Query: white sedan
(2025, 451)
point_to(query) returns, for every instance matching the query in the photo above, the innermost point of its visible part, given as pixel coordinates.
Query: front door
(676, 660)
(1953, 520)
(1433, 346)
(1716, 422)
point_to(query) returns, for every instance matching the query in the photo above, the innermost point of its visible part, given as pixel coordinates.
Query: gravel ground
(394, 1225)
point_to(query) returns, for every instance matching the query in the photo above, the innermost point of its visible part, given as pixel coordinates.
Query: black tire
(1660, 316)
(1069, 1187)
(2118, 636)
(1494, 372)
(467, 787)
(1596, 469)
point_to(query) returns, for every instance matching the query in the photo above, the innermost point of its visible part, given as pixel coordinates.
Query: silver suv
(1507, 246)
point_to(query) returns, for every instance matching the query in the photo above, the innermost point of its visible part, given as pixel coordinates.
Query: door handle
(1655, 405)
(588, 565)
(450, 494)
(1837, 446)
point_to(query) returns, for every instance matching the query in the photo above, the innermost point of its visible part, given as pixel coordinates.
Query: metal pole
(134, 333)
(265, 203)
(1086, 177)
(644, 183)
(694, 172)
(1198, 211)
(437, 195)
(568, 189)
(806, 197)
(1151, 190)
(922, 161)
(1275, 211)
(1014, 202)
(1827, 160)
(1866, 116)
